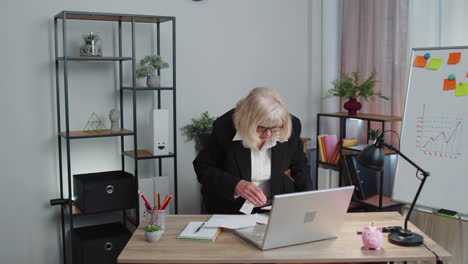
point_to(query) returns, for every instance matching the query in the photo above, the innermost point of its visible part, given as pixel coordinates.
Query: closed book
(348, 142)
(330, 142)
(336, 154)
(337, 160)
(197, 231)
(323, 156)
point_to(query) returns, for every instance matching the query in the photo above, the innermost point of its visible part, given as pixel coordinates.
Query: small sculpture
(92, 45)
(372, 237)
(114, 116)
(94, 123)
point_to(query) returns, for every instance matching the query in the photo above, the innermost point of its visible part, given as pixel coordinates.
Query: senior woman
(249, 150)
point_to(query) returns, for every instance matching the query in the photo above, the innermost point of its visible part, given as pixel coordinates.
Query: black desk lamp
(373, 157)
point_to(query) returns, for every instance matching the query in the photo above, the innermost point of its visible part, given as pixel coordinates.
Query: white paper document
(232, 221)
(247, 207)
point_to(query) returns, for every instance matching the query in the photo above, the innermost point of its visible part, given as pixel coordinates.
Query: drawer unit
(99, 244)
(105, 191)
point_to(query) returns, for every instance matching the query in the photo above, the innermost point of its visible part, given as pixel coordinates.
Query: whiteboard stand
(434, 130)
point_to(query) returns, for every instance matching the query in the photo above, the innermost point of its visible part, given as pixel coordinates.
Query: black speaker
(364, 180)
(105, 191)
(99, 244)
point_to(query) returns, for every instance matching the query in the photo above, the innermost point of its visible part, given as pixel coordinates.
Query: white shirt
(261, 164)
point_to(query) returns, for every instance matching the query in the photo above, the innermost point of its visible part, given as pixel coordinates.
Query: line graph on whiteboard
(440, 134)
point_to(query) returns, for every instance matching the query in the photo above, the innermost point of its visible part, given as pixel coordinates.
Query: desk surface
(229, 248)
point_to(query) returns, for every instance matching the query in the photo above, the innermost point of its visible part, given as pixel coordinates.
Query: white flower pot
(153, 236)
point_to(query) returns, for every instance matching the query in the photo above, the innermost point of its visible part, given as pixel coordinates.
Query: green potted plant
(373, 135)
(149, 64)
(351, 87)
(199, 130)
(92, 46)
(153, 233)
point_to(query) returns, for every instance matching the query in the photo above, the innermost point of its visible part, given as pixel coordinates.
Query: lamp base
(405, 238)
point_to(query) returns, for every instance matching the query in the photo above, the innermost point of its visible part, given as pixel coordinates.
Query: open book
(197, 231)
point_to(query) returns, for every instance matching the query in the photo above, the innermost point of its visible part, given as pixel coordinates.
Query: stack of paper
(232, 221)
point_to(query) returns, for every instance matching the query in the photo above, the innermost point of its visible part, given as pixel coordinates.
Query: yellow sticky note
(435, 64)
(462, 89)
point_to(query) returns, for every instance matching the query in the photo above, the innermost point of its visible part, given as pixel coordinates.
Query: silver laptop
(301, 217)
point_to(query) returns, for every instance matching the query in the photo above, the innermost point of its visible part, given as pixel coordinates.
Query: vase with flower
(351, 87)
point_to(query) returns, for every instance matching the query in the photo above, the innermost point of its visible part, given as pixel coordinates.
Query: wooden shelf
(112, 17)
(73, 58)
(145, 154)
(364, 116)
(75, 209)
(96, 133)
(374, 201)
(363, 146)
(328, 166)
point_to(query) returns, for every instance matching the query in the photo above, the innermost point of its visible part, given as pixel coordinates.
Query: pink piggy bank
(372, 237)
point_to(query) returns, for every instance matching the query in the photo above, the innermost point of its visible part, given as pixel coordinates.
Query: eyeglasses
(262, 129)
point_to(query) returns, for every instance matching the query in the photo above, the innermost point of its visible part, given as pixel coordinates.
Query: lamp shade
(372, 157)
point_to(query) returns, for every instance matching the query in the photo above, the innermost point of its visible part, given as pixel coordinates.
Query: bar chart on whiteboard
(439, 134)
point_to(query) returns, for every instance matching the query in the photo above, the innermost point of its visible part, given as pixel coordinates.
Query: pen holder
(156, 217)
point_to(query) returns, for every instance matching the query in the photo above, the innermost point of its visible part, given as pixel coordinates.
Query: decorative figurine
(114, 116)
(94, 123)
(372, 237)
(92, 45)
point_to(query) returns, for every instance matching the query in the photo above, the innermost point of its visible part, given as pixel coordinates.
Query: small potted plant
(373, 135)
(350, 86)
(92, 46)
(153, 233)
(199, 130)
(149, 64)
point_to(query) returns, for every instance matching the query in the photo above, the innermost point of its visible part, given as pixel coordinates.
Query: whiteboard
(433, 132)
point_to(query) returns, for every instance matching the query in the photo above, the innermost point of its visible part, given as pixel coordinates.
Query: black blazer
(223, 163)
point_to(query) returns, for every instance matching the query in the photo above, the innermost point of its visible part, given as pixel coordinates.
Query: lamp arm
(423, 180)
(391, 147)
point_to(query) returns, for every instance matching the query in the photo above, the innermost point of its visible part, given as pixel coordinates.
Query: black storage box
(105, 191)
(99, 244)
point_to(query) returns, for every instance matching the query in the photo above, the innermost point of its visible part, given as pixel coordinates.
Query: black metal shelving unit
(68, 209)
(379, 202)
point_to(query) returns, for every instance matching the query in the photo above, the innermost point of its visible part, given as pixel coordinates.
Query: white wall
(224, 48)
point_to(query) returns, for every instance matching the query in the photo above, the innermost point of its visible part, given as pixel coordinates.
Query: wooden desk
(229, 248)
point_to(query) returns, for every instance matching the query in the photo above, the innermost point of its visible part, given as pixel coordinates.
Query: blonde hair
(261, 107)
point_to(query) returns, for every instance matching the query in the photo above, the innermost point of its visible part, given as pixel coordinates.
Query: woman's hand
(250, 192)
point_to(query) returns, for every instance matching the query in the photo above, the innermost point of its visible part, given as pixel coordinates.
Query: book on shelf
(329, 142)
(335, 157)
(197, 231)
(330, 146)
(323, 156)
(348, 142)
